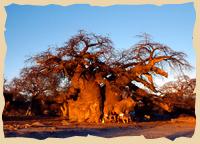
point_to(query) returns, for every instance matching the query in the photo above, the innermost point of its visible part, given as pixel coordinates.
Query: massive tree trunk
(117, 102)
(87, 107)
(112, 96)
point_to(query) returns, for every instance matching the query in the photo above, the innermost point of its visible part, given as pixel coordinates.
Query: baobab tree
(97, 77)
(34, 88)
(180, 94)
(15, 103)
(184, 86)
(84, 62)
(139, 64)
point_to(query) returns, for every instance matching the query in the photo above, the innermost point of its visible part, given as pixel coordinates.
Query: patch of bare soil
(55, 127)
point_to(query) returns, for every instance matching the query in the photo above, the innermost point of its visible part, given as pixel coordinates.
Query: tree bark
(88, 104)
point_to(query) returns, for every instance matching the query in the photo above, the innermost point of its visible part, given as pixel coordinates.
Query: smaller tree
(180, 94)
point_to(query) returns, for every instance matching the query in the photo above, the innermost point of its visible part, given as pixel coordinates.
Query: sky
(33, 29)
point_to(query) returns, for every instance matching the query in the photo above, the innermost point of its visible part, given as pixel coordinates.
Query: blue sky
(32, 29)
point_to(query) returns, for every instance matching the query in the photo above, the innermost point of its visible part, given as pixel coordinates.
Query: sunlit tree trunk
(64, 110)
(28, 111)
(112, 96)
(87, 106)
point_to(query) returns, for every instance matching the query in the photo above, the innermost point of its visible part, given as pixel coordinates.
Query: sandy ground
(44, 128)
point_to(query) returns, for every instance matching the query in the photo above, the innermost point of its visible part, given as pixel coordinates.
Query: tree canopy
(92, 75)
